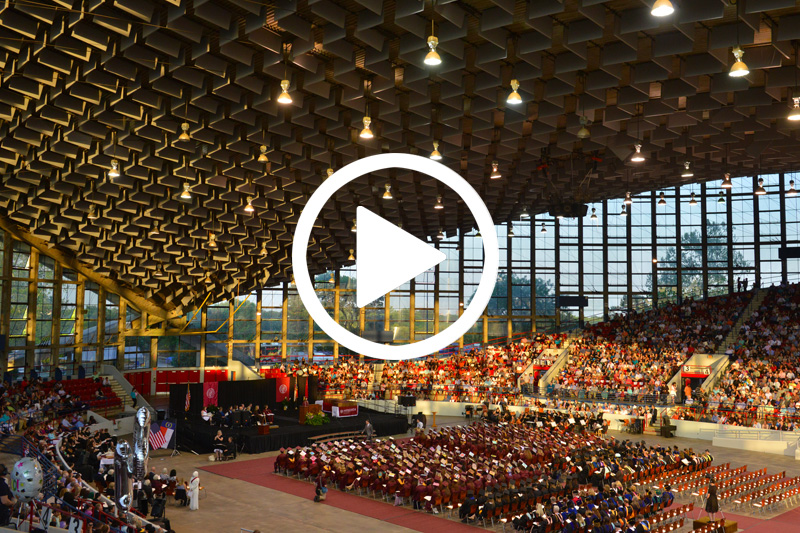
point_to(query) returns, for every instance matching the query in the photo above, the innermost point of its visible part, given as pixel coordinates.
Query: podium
(313, 409)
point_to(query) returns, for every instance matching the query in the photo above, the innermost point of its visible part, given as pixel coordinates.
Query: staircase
(120, 392)
(747, 312)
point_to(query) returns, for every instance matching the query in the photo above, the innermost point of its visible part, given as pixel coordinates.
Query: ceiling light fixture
(264, 250)
(760, 190)
(351, 257)
(114, 172)
(262, 157)
(662, 8)
(439, 204)
(212, 240)
(184, 136)
(792, 191)
(354, 228)
(440, 235)
(584, 132)
(510, 230)
(628, 199)
(721, 199)
(726, 181)
(249, 207)
(329, 172)
(186, 194)
(514, 98)
(661, 199)
(495, 172)
(544, 229)
(332, 279)
(366, 133)
(388, 194)
(285, 97)
(637, 157)
(92, 214)
(692, 201)
(432, 58)
(154, 230)
(623, 213)
(436, 155)
(525, 215)
(593, 218)
(687, 172)
(739, 68)
(794, 114)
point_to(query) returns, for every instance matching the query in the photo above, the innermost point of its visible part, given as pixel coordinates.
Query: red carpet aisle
(259, 472)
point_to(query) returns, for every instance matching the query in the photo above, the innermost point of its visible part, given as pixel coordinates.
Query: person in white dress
(194, 492)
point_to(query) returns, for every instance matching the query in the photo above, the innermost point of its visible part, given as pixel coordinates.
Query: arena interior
(598, 197)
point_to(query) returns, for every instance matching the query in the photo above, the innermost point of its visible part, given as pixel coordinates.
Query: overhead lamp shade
(329, 172)
(212, 241)
(593, 218)
(584, 132)
(637, 156)
(692, 201)
(544, 229)
(92, 214)
(440, 235)
(285, 97)
(624, 212)
(739, 68)
(514, 98)
(495, 171)
(186, 194)
(387, 195)
(662, 8)
(432, 58)
(628, 199)
(687, 172)
(264, 250)
(351, 257)
(726, 181)
(524, 214)
(154, 230)
(184, 136)
(114, 171)
(366, 133)
(792, 191)
(435, 154)
(249, 207)
(661, 199)
(760, 190)
(510, 231)
(721, 199)
(439, 204)
(354, 228)
(262, 158)
(332, 279)
(794, 114)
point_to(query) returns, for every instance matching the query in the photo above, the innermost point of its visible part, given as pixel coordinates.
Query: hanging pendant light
(114, 171)
(285, 97)
(687, 171)
(628, 199)
(726, 181)
(329, 172)
(692, 201)
(92, 214)
(524, 215)
(662, 8)
(439, 204)
(637, 157)
(154, 230)
(249, 207)
(212, 240)
(794, 114)
(510, 230)
(623, 213)
(739, 68)
(184, 136)
(514, 98)
(264, 250)
(584, 132)
(186, 194)
(387, 195)
(721, 199)
(262, 157)
(351, 257)
(432, 58)
(436, 155)
(440, 235)
(760, 190)
(366, 133)
(544, 229)
(662, 199)
(495, 172)
(332, 279)
(593, 218)
(792, 191)
(354, 229)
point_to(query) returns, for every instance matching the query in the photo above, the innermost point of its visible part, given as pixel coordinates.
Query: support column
(5, 301)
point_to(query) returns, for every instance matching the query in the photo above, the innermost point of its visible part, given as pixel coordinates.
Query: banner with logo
(210, 393)
(281, 389)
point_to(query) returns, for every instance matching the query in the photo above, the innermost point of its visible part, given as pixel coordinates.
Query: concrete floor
(231, 504)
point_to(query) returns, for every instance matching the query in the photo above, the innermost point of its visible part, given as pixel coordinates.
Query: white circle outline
(354, 170)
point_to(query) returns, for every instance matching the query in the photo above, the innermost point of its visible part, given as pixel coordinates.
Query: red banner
(210, 393)
(281, 389)
(341, 412)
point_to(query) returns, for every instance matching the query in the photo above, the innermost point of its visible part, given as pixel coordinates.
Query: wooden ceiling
(86, 82)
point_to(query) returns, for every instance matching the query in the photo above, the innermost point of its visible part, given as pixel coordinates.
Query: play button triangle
(387, 256)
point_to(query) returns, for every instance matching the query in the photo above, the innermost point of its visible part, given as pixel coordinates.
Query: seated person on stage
(205, 415)
(269, 414)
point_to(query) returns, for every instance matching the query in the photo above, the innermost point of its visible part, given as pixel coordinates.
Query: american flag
(159, 436)
(188, 397)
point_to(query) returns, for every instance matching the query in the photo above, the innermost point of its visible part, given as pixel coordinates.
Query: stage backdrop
(260, 392)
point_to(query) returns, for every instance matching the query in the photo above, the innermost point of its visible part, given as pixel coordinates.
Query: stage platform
(197, 435)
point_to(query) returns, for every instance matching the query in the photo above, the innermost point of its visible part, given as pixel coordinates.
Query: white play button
(387, 256)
